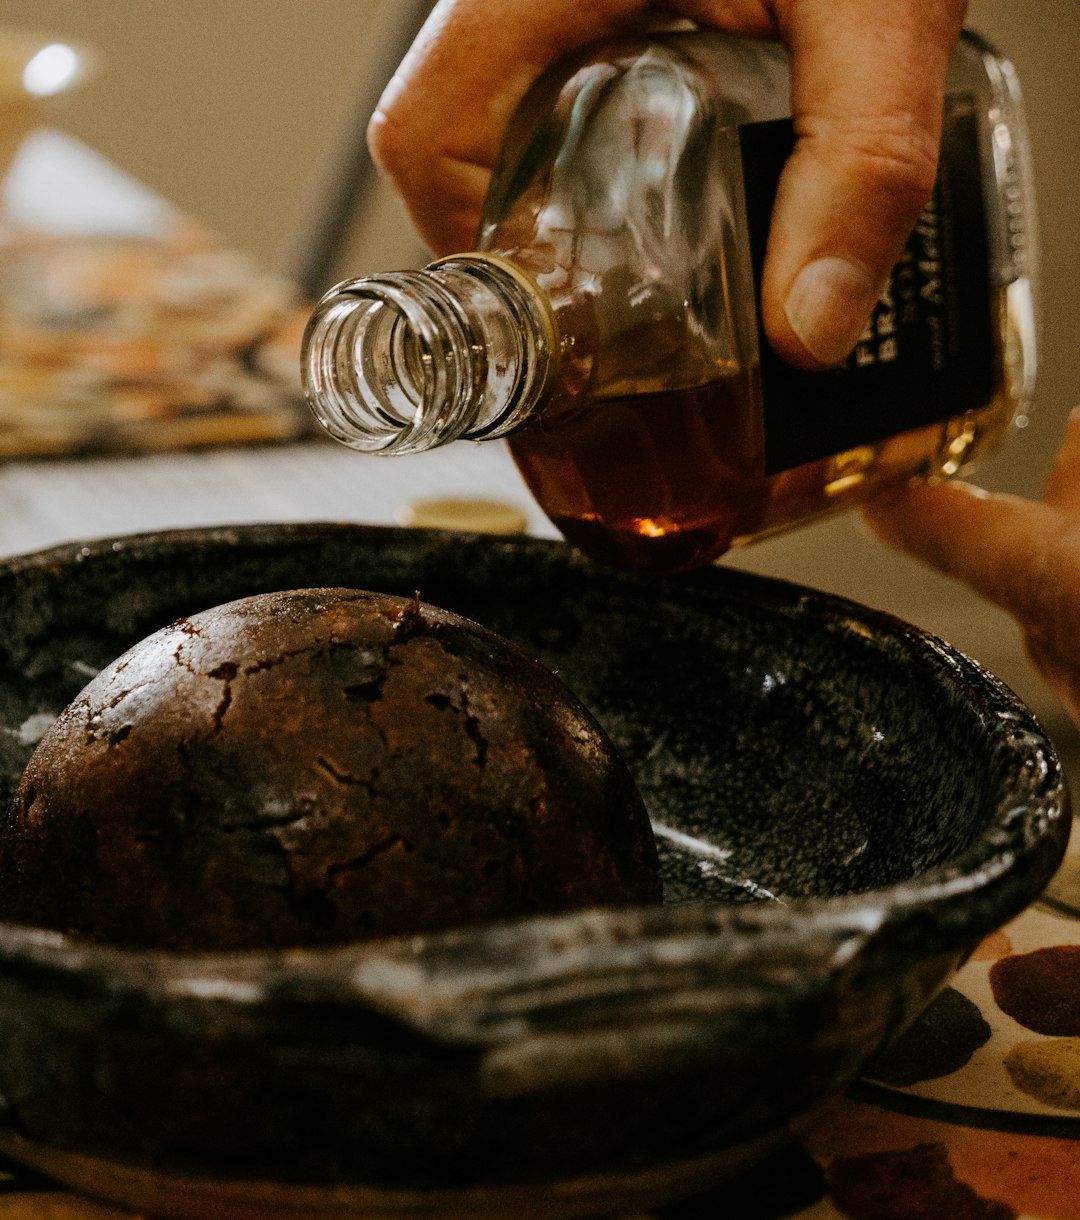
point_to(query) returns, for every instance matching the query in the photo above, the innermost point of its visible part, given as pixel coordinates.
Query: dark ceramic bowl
(845, 807)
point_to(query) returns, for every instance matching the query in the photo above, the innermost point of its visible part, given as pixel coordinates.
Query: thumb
(867, 84)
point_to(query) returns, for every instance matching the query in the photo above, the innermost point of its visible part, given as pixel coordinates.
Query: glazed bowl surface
(844, 807)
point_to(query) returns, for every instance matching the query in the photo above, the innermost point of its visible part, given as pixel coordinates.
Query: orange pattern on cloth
(1035, 1175)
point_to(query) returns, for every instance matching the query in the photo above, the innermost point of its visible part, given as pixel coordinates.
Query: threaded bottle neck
(406, 361)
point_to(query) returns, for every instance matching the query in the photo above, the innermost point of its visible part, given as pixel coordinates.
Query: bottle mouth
(382, 366)
(406, 361)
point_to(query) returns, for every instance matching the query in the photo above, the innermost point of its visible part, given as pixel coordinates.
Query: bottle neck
(406, 361)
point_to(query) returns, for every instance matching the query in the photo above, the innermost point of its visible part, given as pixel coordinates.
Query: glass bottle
(608, 324)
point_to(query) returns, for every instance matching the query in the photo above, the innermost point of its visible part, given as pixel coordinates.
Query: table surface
(975, 1113)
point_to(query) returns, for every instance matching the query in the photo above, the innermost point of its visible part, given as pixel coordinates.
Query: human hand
(867, 93)
(1022, 555)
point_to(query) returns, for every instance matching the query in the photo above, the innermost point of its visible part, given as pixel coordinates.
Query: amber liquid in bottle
(665, 480)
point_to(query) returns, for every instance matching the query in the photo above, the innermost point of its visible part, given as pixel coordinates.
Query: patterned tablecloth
(132, 330)
(125, 327)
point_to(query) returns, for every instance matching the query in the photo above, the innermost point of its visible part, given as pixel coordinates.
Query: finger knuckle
(896, 159)
(391, 144)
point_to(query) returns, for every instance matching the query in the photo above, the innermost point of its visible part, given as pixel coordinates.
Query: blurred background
(249, 116)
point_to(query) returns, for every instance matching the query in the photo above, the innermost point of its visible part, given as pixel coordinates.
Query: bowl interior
(786, 745)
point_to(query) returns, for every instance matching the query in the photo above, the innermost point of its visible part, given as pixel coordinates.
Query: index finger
(441, 120)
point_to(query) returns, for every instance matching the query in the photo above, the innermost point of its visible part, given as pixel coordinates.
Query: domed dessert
(316, 767)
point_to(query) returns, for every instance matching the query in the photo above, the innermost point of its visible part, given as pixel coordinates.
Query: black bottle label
(927, 353)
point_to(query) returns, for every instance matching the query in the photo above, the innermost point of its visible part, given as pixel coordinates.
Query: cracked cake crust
(315, 767)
